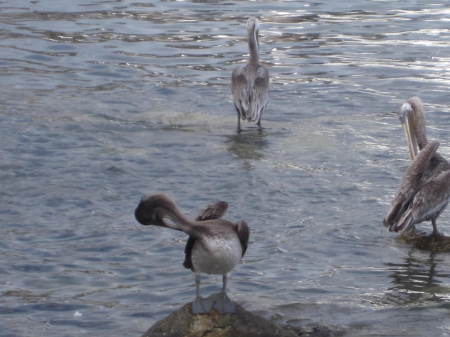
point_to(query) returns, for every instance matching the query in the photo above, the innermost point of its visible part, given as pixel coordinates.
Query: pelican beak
(257, 37)
(409, 134)
(409, 139)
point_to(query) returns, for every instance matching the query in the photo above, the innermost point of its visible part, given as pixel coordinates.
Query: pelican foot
(224, 305)
(202, 305)
(437, 235)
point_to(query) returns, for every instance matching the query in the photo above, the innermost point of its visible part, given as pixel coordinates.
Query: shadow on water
(416, 280)
(247, 145)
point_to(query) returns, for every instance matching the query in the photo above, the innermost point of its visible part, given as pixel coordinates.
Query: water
(102, 101)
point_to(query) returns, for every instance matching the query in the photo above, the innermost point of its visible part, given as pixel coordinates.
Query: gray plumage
(214, 246)
(213, 211)
(250, 82)
(425, 188)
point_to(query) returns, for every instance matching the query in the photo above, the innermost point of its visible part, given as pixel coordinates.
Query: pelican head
(252, 24)
(253, 30)
(152, 209)
(413, 123)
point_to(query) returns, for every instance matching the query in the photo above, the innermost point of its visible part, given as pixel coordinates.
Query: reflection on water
(417, 279)
(248, 144)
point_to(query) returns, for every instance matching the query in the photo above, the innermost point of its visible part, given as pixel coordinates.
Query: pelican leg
(258, 123)
(200, 305)
(435, 230)
(223, 304)
(238, 121)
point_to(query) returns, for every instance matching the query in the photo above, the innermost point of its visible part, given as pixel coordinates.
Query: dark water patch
(25, 295)
(98, 249)
(12, 310)
(97, 324)
(57, 307)
(142, 315)
(114, 170)
(33, 268)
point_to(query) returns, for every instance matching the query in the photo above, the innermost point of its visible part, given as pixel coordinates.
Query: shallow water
(102, 101)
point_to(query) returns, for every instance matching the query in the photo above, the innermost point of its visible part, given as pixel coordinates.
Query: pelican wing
(410, 185)
(428, 203)
(259, 94)
(187, 263)
(239, 89)
(243, 233)
(213, 211)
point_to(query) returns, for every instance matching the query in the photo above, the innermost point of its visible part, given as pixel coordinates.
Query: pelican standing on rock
(250, 82)
(425, 189)
(215, 246)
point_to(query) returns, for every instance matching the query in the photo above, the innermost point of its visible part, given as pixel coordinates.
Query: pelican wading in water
(250, 82)
(214, 246)
(425, 188)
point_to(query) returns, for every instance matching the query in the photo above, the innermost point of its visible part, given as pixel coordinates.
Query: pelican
(425, 188)
(215, 246)
(250, 82)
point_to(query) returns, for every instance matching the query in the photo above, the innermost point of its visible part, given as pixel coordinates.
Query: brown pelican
(214, 246)
(250, 82)
(425, 188)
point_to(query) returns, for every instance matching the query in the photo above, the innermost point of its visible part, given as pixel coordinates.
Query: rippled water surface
(102, 101)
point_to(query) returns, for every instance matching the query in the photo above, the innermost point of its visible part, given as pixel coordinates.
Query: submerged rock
(242, 323)
(425, 241)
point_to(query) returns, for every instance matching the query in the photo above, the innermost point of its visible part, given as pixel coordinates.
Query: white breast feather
(220, 256)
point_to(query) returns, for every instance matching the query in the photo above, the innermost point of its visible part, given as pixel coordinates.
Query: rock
(242, 323)
(421, 240)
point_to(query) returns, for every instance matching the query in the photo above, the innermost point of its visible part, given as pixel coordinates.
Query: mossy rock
(242, 323)
(423, 241)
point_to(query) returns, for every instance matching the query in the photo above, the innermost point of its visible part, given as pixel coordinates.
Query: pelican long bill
(410, 138)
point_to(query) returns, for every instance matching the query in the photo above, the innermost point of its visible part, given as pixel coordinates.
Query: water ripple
(103, 101)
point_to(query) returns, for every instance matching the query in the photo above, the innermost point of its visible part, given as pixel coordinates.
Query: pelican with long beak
(215, 246)
(250, 82)
(425, 188)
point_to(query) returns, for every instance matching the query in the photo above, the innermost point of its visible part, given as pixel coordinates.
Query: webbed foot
(202, 305)
(223, 304)
(436, 235)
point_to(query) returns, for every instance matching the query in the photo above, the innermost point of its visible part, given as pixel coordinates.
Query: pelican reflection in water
(250, 82)
(214, 246)
(425, 188)
(415, 279)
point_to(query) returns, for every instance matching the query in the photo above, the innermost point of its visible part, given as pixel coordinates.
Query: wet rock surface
(424, 241)
(242, 323)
